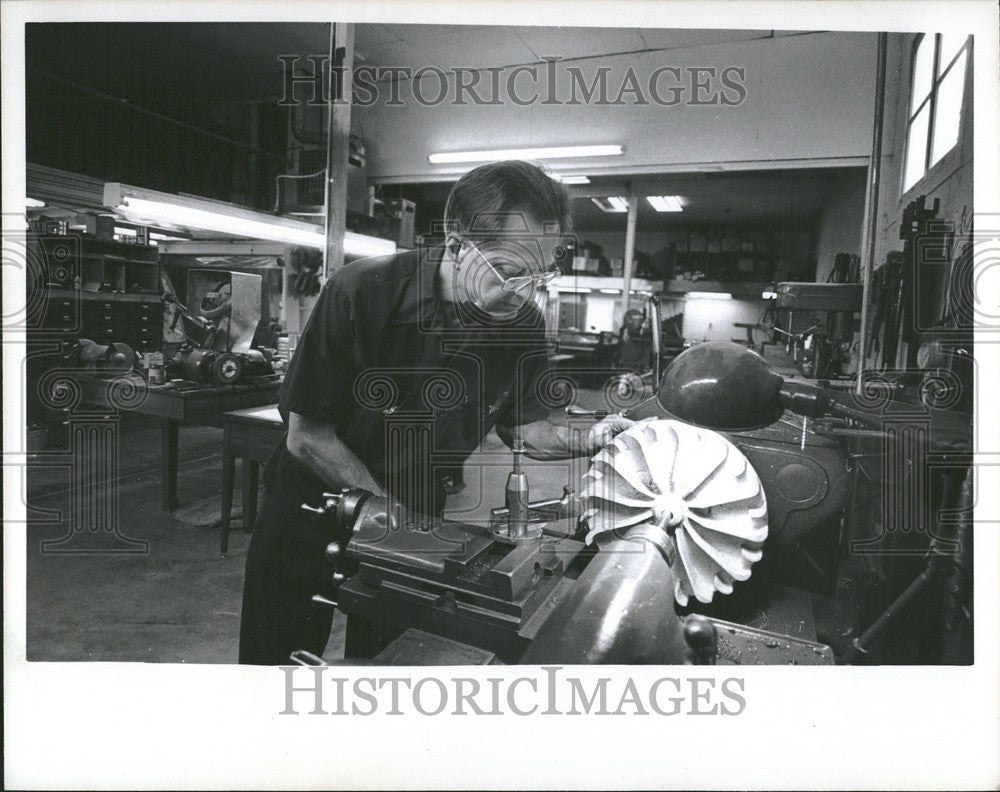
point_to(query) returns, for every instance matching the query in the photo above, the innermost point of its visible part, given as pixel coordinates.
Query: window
(936, 88)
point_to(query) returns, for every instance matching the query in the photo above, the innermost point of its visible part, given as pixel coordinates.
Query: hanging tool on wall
(306, 265)
(902, 290)
(928, 243)
(890, 307)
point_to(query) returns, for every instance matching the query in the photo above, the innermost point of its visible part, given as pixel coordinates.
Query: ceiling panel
(565, 42)
(450, 47)
(659, 38)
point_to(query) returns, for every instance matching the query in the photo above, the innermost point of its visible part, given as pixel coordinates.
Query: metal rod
(517, 493)
(633, 210)
(871, 207)
(338, 127)
(654, 322)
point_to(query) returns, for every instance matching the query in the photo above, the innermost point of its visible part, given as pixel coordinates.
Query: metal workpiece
(687, 490)
(551, 516)
(620, 610)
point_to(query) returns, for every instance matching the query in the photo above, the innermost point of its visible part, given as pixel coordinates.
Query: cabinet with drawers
(133, 319)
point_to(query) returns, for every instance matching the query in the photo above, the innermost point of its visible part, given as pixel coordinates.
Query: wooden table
(250, 435)
(175, 403)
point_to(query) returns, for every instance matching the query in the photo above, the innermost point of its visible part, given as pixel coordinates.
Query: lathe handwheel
(227, 369)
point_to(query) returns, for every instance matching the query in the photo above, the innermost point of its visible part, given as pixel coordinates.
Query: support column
(633, 211)
(337, 143)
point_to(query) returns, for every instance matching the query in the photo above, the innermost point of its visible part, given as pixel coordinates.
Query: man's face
(498, 276)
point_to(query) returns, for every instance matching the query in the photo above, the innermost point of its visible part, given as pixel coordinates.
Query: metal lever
(333, 555)
(702, 640)
(330, 501)
(303, 658)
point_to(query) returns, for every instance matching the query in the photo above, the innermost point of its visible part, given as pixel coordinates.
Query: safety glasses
(514, 283)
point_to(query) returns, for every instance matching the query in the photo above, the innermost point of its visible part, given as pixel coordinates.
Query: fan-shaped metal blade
(694, 483)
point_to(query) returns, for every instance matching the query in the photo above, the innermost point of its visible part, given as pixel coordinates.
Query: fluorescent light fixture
(665, 203)
(709, 295)
(610, 291)
(574, 290)
(613, 203)
(33, 203)
(547, 152)
(574, 179)
(150, 207)
(769, 295)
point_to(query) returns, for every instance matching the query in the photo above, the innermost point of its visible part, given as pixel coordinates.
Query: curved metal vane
(694, 484)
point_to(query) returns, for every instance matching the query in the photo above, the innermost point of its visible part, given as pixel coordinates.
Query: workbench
(176, 403)
(250, 435)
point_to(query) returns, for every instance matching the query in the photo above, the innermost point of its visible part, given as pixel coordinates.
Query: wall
(840, 224)
(808, 97)
(950, 180)
(713, 320)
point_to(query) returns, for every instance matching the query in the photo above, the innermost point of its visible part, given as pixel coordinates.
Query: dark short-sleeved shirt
(406, 391)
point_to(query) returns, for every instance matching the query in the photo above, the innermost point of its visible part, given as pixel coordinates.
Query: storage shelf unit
(101, 289)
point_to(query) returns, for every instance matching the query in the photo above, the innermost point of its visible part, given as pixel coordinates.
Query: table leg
(251, 477)
(228, 482)
(168, 462)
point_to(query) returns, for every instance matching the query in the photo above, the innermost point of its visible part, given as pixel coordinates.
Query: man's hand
(603, 431)
(545, 439)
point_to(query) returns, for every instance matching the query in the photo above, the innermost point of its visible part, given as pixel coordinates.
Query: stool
(251, 435)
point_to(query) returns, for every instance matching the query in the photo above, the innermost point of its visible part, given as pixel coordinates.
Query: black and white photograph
(596, 361)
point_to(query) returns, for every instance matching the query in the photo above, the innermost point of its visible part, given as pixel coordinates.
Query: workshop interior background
(167, 177)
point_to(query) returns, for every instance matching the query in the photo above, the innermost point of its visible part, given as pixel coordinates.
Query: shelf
(584, 283)
(735, 288)
(104, 296)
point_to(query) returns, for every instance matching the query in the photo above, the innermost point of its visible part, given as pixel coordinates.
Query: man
(448, 338)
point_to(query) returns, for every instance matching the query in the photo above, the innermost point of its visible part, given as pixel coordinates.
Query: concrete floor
(180, 601)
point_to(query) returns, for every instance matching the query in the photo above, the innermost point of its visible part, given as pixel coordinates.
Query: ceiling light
(155, 208)
(665, 203)
(548, 152)
(33, 203)
(613, 203)
(709, 295)
(574, 180)
(156, 236)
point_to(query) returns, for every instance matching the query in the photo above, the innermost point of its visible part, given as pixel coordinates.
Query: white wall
(712, 320)
(840, 225)
(807, 97)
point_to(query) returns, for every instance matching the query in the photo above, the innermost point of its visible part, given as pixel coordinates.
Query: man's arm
(545, 439)
(316, 445)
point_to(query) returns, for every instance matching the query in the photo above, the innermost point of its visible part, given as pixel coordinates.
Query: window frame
(930, 101)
